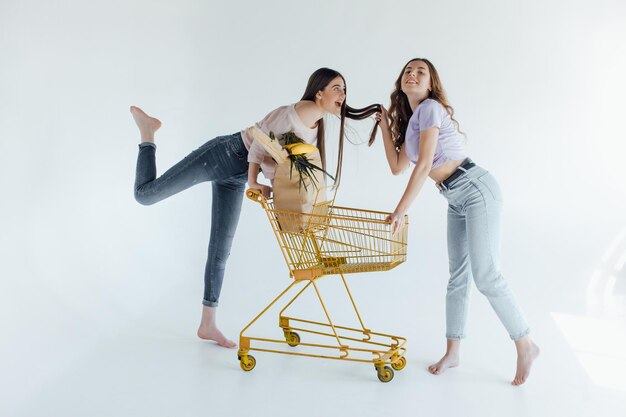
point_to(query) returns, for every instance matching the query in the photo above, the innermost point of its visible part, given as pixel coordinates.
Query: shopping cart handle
(255, 195)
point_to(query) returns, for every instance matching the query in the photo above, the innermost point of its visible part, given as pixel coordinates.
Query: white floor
(100, 297)
(155, 366)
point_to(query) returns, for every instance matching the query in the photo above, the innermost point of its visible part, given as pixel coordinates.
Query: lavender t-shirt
(450, 145)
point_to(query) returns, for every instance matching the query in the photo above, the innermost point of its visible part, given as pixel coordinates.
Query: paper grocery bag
(291, 196)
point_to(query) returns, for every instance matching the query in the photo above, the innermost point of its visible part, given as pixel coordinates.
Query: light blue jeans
(474, 208)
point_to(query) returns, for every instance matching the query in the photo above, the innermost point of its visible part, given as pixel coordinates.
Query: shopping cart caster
(385, 374)
(292, 338)
(247, 362)
(399, 364)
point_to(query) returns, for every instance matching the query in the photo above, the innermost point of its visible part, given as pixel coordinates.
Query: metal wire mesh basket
(334, 239)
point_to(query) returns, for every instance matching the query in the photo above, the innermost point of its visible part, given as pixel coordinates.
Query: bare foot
(449, 360)
(217, 336)
(147, 125)
(208, 328)
(527, 352)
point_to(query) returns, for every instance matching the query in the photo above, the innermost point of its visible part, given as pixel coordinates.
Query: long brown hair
(318, 81)
(400, 111)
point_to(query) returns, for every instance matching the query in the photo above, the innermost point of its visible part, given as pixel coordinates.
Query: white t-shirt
(280, 121)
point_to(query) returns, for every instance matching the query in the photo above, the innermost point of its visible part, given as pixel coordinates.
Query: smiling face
(415, 79)
(332, 97)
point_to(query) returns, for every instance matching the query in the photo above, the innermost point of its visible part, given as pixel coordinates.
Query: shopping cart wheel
(292, 338)
(385, 374)
(247, 362)
(399, 364)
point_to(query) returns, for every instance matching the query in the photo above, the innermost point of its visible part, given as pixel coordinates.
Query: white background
(100, 297)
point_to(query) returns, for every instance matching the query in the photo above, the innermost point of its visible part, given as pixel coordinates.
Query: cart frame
(332, 240)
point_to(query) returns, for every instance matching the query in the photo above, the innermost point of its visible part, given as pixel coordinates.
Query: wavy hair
(400, 111)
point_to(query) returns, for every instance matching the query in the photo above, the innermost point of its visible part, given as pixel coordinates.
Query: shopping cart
(331, 240)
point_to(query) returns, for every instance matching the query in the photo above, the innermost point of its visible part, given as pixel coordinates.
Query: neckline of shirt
(297, 118)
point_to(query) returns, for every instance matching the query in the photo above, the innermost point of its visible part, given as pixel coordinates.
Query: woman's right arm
(398, 160)
(253, 175)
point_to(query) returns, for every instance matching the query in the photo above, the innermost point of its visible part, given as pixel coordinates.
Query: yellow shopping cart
(331, 240)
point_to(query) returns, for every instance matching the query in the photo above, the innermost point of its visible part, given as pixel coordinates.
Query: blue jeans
(224, 162)
(474, 208)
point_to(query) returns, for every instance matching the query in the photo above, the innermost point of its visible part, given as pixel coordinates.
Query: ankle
(453, 347)
(208, 320)
(452, 353)
(524, 344)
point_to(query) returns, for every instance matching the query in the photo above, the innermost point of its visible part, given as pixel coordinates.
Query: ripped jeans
(224, 162)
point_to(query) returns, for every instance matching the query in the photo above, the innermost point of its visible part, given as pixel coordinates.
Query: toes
(229, 344)
(518, 380)
(226, 343)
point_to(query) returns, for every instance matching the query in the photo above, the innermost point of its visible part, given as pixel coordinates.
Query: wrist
(400, 211)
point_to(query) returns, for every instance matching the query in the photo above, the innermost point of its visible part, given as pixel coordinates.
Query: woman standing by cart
(421, 129)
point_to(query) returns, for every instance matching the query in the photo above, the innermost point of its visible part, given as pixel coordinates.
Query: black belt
(466, 164)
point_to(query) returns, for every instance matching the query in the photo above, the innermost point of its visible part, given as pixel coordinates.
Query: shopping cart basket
(331, 240)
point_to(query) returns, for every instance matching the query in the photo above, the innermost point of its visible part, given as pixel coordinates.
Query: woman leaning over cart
(228, 162)
(419, 128)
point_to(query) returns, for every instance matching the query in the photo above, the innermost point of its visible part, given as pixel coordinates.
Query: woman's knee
(144, 199)
(492, 285)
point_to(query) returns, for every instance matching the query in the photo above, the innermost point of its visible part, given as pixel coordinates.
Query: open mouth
(338, 104)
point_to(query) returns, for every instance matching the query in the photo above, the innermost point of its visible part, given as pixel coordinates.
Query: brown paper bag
(290, 195)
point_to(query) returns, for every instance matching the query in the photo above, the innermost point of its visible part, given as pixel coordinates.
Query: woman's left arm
(427, 147)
